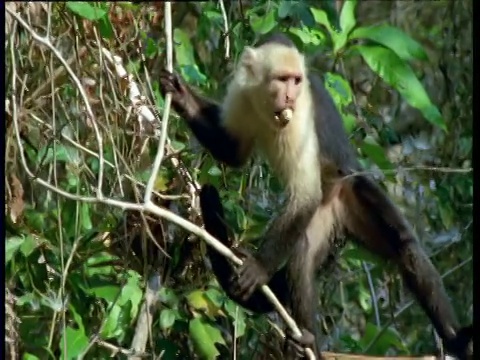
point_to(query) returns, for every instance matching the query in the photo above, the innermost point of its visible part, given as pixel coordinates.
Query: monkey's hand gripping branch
(209, 203)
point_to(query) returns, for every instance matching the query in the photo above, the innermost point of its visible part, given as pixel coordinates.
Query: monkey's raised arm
(204, 119)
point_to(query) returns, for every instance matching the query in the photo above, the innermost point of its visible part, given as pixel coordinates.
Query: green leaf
(347, 23)
(86, 10)
(177, 145)
(330, 8)
(72, 343)
(77, 317)
(106, 28)
(28, 356)
(197, 301)
(63, 153)
(349, 121)
(339, 39)
(11, 247)
(309, 36)
(151, 48)
(339, 88)
(204, 336)
(393, 38)
(342, 95)
(193, 73)
(376, 153)
(168, 296)
(215, 171)
(215, 296)
(29, 245)
(321, 18)
(285, 9)
(183, 48)
(85, 217)
(358, 253)
(132, 293)
(384, 339)
(109, 329)
(108, 292)
(347, 16)
(213, 15)
(263, 24)
(395, 72)
(240, 322)
(303, 12)
(167, 318)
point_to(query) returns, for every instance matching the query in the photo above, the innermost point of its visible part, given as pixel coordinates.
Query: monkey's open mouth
(283, 117)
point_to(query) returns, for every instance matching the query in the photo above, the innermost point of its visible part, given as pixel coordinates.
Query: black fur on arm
(213, 217)
(203, 117)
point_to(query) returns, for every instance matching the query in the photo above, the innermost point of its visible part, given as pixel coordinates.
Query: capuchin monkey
(275, 105)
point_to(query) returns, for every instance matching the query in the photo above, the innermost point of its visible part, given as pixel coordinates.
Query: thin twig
(46, 42)
(166, 109)
(372, 293)
(225, 28)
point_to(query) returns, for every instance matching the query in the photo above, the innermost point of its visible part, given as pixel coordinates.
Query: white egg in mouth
(284, 117)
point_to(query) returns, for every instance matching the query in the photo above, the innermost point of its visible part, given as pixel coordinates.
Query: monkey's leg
(378, 225)
(213, 217)
(309, 255)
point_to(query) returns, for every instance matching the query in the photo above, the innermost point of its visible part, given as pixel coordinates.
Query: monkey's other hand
(294, 349)
(171, 82)
(250, 276)
(462, 345)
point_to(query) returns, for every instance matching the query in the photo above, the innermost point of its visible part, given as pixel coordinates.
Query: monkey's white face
(284, 87)
(277, 73)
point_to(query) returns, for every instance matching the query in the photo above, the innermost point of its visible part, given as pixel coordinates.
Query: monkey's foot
(462, 345)
(294, 349)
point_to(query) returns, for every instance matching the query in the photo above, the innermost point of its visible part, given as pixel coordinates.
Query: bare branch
(166, 109)
(46, 42)
(225, 28)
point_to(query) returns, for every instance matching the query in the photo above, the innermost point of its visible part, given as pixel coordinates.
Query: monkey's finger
(242, 286)
(248, 284)
(293, 350)
(248, 294)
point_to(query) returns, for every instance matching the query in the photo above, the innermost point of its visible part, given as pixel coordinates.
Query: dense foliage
(79, 266)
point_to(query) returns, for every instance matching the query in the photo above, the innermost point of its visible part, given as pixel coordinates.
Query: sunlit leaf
(108, 292)
(339, 88)
(167, 318)
(72, 343)
(308, 36)
(393, 38)
(263, 24)
(215, 171)
(86, 10)
(29, 245)
(376, 153)
(395, 72)
(12, 245)
(204, 336)
(321, 18)
(347, 16)
(183, 48)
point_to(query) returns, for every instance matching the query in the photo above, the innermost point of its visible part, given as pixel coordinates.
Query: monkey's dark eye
(298, 80)
(282, 78)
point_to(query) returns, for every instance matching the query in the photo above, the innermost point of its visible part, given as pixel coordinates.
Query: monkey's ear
(250, 62)
(249, 56)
